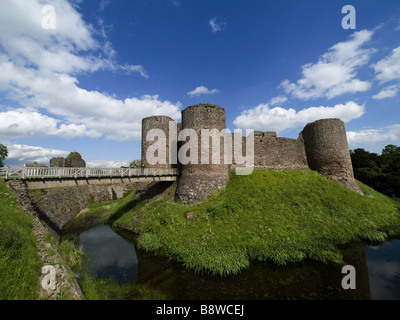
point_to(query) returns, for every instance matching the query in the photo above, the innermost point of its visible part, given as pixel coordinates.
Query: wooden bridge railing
(43, 173)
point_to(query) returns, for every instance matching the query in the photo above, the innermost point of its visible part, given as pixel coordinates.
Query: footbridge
(44, 177)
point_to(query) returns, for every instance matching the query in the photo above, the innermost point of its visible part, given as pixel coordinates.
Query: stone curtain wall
(272, 152)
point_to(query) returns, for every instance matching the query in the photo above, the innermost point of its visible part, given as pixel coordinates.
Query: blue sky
(85, 83)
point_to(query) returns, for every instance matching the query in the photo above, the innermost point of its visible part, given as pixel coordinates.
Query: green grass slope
(278, 216)
(19, 261)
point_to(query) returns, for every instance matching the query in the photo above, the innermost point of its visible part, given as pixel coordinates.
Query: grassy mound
(19, 261)
(278, 216)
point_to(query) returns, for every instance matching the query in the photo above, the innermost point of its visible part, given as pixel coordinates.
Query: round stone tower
(165, 124)
(328, 152)
(201, 174)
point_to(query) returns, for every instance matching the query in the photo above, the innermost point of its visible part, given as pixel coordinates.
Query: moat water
(113, 255)
(107, 254)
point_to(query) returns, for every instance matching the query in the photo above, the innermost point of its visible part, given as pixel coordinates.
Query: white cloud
(335, 72)
(106, 163)
(370, 137)
(277, 100)
(18, 154)
(387, 92)
(104, 4)
(383, 275)
(28, 154)
(21, 20)
(103, 29)
(38, 70)
(176, 3)
(216, 26)
(85, 113)
(202, 90)
(397, 27)
(278, 119)
(21, 123)
(61, 50)
(388, 69)
(138, 68)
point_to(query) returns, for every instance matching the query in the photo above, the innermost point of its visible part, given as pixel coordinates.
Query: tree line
(381, 172)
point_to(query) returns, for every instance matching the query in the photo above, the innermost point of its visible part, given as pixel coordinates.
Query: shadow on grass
(148, 192)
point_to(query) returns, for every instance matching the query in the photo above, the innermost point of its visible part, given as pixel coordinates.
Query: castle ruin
(321, 146)
(73, 160)
(197, 180)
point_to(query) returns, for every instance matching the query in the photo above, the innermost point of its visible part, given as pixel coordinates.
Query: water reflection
(384, 270)
(377, 273)
(107, 254)
(261, 281)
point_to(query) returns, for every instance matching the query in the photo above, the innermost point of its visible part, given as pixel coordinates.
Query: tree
(366, 168)
(364, 159)
(381, 172)
(391, 170)
(135, 164)
(391, 149)
(3, 154)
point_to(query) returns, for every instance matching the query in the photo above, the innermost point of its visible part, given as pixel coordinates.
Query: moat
(113, 255)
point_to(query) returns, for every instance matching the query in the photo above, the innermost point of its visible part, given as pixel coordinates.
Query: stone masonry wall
(58, 162)
(60, 205)
(156, 122)
(328, 152)
(73, 160)
(272, 152)
(321, 146)
(197, 181)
